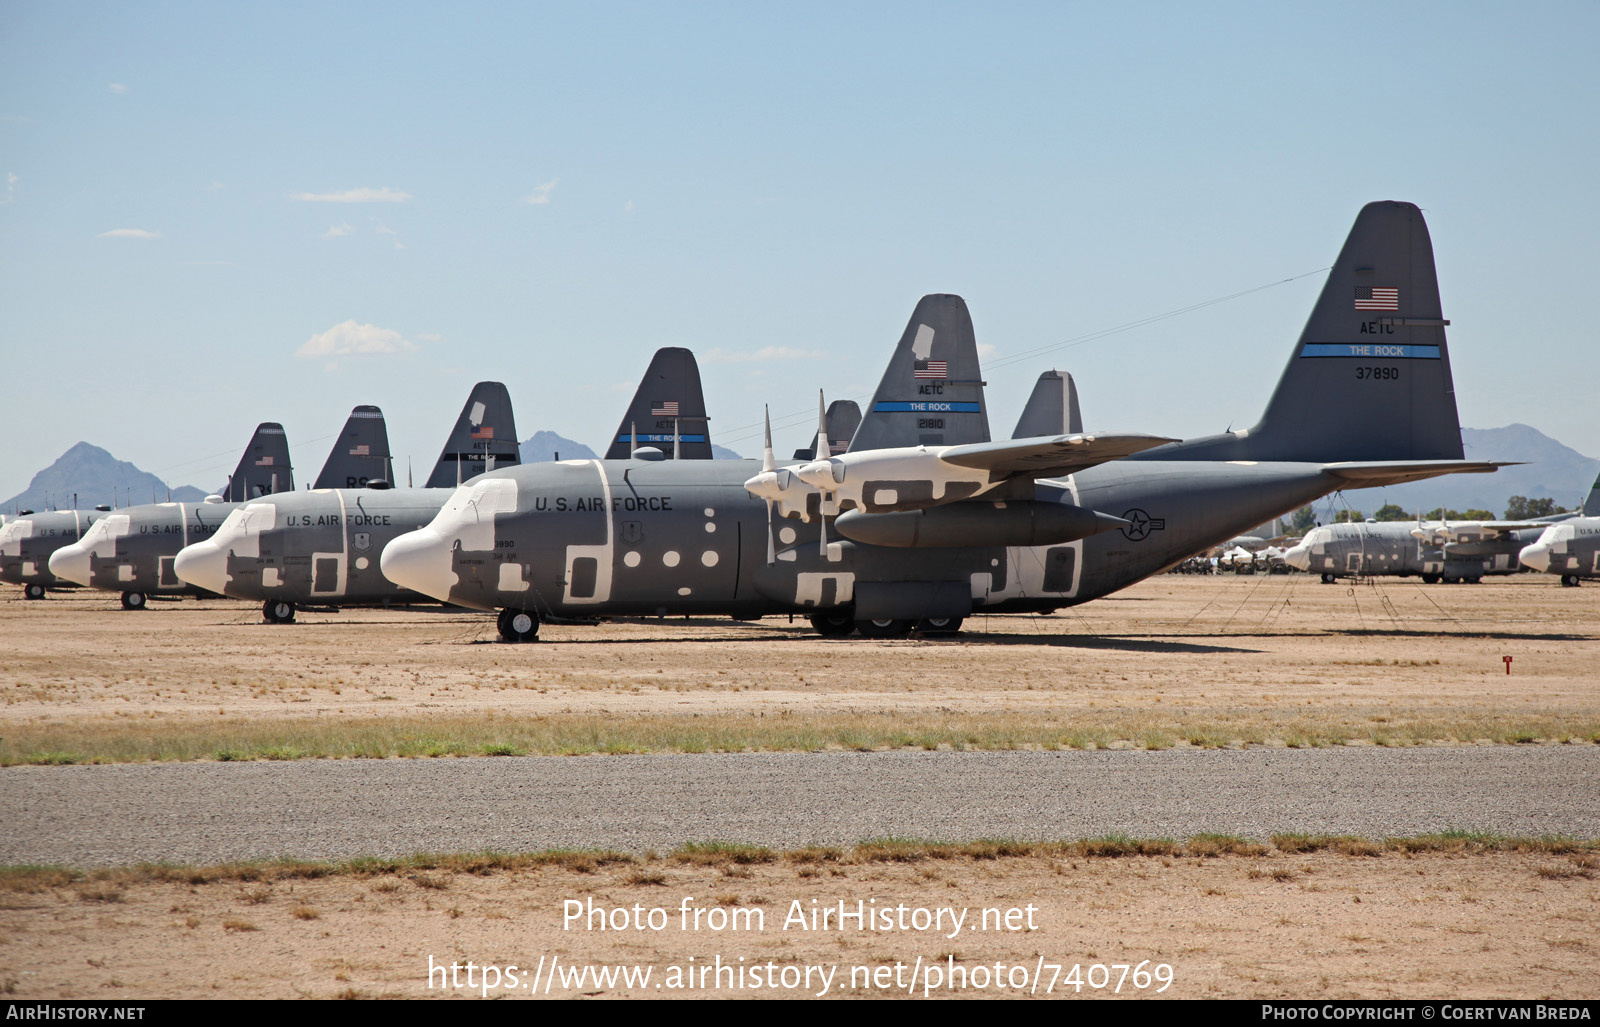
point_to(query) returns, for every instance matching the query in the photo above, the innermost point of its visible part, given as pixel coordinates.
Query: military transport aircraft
(132, 550)
(930, 521)
(322, 546)
(1570, 548)
(28, 543)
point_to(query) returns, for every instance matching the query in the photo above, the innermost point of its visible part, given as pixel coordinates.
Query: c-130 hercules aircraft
(957, 524)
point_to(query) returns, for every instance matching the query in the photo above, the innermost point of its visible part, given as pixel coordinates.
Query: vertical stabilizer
(932, 391)
(1591, 506)
(1052, 409)
(1369, 378)
(844, 417)
(668, 410)
(484, 438)
(265, 466)
(360, 454)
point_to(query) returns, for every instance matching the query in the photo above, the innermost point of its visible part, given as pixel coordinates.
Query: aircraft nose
(1536, 556)
(1298, 557)
(204, 564)
(419, 560)
(71, 562)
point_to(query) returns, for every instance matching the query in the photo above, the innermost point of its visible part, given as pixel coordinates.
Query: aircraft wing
(1049, 457)
(1364, 474)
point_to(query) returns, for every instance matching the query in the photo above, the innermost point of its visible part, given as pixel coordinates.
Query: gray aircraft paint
(602, 537)
(485, 437)
(1388, 548)
(322, 545)
(360, 454)
(134, 551)
(1570, 548)
(668, 411)
(143, 534)
(1052, 408)
(842, 419)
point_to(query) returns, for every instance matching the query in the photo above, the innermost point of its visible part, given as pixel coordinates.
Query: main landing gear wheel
(278, 611)
(883, 627)
(1569, 581)
(1448, 580)
(134, 600)
(939, 625)
(836, 624)
(1430, 579)
(1327, 579)
(33, 590)
(518, 625)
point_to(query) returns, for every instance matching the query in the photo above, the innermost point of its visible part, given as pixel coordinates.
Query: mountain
(1549, 470)
(96, 478)
(723, 453)
(544, 445)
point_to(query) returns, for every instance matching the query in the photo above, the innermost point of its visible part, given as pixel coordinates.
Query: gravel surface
(324, 809)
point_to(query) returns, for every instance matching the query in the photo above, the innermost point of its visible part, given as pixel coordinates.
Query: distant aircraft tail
(668, 410)
(265, 466)
(842, 419)
(484, 438)
(1369, 378)
(1052, 409)
(360, 454)
(932, 391)
(1591, 506)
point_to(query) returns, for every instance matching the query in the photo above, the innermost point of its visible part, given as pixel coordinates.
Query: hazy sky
(215, 214)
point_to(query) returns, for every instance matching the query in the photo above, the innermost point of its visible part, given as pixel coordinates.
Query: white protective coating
(341, 574)
(420, 560)
(11, 535)
(922, 345)
(603, 554)
(808, 587)
(631, 558)
(511, 578)
(709, 558)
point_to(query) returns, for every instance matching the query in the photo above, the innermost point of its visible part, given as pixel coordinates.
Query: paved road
(325, 809)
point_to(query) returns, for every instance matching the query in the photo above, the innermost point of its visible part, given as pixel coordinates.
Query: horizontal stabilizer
(1050, 457)
(1374, 473)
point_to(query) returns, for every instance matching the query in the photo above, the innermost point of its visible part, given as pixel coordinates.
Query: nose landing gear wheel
(134, 600)
(883, 627)
(1569, 580)
(1430, 579)
(837, 624)
(33, 590)
(939, 625)
(278, 611)
(1327, 579)
(518, 625)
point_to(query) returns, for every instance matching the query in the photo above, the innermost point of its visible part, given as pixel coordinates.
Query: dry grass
(113, 740)
(432, 872)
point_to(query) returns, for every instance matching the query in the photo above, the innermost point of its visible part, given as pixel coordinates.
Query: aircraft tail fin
(668, 410)
(1369, 378)
(843, 418)
(1052, 409)
(265, 466)
(360, 454)
(932, 390)
(1591, 506)
(484, 438)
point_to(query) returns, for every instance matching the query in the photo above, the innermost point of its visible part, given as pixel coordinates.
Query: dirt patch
(1315, 925)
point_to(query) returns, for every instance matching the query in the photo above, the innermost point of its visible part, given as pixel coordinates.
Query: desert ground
(1176, 661)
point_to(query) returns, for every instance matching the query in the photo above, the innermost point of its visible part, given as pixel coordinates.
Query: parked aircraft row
(919, 519)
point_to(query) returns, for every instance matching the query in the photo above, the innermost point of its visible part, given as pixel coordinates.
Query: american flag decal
(484, 432)
(265, 461)
(666, 408)
(931, 369)
(1376, 297)
(362, 450)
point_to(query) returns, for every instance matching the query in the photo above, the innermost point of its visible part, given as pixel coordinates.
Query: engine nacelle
(976, 523)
